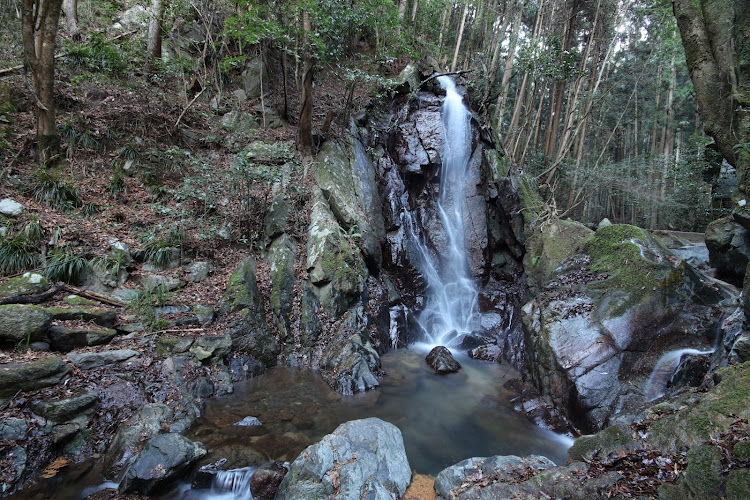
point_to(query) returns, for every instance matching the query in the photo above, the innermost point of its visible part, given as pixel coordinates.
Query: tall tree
(154, 30)
(71, 19)
(716, 37)
(40, 19)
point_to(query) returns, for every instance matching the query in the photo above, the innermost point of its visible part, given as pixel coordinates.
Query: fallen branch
(99, 297)
(187, 107)
(36, 298)
(449, 73)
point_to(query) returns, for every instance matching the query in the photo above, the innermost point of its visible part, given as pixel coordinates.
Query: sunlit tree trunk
(304, 132)
(71, 19)
(154, 30)
(40, 19)
(460, 35)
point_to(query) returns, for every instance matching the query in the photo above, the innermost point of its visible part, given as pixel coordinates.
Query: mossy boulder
(334, 266)
(281, 256)
(67, 339)
(100, 316)
(242, 289)
(603, 318)
(27, 284)
(702, 477)
(611, 439)
(548, 246)
(22, 323)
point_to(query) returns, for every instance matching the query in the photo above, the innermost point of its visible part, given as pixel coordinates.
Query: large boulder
(549, 246)
(441, 360)
(360, 459)
(334, 266)
(728, 246)
(67, 339)
(147, 422)
(23, 323)
(31, 375)
(162, 460)
(250, 334)
(255, 77)
(26, 284)
(603, 319)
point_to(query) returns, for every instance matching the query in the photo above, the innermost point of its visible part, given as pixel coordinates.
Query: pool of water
(443, 418)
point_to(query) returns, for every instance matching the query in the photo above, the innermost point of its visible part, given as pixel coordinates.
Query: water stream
(451, 294)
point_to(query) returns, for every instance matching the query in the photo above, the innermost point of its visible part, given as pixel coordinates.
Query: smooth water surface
(443, 418)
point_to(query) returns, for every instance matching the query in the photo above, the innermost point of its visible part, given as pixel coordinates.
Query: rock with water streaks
(265, 481)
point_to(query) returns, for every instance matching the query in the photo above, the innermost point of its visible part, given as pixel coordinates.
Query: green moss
(531, 202)
(741, 451)
(610, 439)
(75, 300)
(738, 485)
(165, 345)
(703, 473)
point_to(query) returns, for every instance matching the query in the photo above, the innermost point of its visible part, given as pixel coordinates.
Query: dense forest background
(590, 98)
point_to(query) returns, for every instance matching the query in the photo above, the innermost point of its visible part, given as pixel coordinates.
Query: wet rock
(690, 372)
(147, 422)
(13, 429)
(198, 271)
(349, 362)
(466, 479)
(211, 349)
(242, 367)
(26, 284)
(66, 408)
(16, 459)
(67, 339)
(265, 481)
(31, 375)
(441, 360)
(11, 208)
(489, 352)
(23, 323)
(89, 360)
(476, 339)
(728, 246)
(248, 422)
(360, 459)
(162, 460)
(102, 317)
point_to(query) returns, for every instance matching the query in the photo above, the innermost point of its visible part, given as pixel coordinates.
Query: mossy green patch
(164, 345)
(741, 451)
(76, 300)
(738, 485)
(610, 439)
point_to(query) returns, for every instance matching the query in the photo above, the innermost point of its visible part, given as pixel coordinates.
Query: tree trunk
(717, 52)
(304, 131)
(40, 19)
(71, 18)
(460, 36)
(154, 30)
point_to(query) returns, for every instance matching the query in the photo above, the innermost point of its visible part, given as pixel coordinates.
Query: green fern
(17, 253)
(49, 188)
(65, 266)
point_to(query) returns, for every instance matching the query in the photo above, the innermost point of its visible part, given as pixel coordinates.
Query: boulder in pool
(441, 360)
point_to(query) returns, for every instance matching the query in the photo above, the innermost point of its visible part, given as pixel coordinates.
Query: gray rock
(265, 481)
(350, 361)
(604, 223)
(144, 424)
(10, 207)
(89, 360)
(31, 375)
(198, 271)
(248, 422)
(16, 460)
(134, 16)
(441, 360)
(728, 246)
(64, 409)
(360, 459)
(458, 480)
(13, 429)
(162, 459)
(251, 78)
(205, 314)
(268, 117)
(239, 122)
(39, 346)
(152, 282)
(281, 256)
(126, 294)
(211, 349)
(26, 284)
(102, 317)
(22, 323)
(103, 280)
(240, 95)
(67, 339)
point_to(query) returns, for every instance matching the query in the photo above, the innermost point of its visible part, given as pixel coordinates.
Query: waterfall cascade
(450, 309)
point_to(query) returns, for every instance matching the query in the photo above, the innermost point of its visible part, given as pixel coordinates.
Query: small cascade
(450, 310)
(656, 386)
(236, 481)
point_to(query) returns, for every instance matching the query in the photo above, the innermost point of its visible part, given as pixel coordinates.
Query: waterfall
(656, 386)
(236, 481)
(450, 309)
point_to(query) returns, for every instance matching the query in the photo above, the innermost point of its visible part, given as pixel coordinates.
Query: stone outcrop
(728, 245)
(31, 376)
(360, 459)
(604, 317)
(23, 323)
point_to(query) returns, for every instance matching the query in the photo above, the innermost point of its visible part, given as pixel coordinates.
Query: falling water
(451, 294)
(656, 386)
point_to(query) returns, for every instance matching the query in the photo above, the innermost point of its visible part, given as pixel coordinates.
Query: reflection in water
(444, 419)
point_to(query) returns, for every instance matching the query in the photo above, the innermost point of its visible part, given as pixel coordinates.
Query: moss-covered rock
(66, 339)
(612, 438)
(549, 246)
(23, 323)
(242, 289)
(281, 256)
(27, 284)
(100, 316)
(738, 485)
(702, 477)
